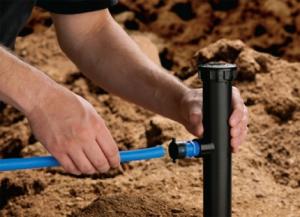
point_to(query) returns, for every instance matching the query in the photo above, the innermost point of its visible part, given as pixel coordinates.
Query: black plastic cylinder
(217, 93)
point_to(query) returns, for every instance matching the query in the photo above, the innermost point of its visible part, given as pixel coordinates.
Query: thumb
(195, 124)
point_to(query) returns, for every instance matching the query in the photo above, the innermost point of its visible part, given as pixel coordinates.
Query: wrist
(37, 90)
(22, 85)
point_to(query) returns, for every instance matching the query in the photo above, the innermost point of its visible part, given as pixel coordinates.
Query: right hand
(72, 131)
(191, 111)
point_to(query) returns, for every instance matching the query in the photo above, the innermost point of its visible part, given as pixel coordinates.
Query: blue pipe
(49, 161)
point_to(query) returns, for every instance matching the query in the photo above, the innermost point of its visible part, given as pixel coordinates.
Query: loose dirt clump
(184, 26)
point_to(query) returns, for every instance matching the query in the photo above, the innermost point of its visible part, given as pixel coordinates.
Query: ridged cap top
(217, 71)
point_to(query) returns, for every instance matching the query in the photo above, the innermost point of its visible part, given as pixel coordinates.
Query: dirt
(266, 171)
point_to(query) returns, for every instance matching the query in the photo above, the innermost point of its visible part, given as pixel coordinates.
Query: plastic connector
(188, 149)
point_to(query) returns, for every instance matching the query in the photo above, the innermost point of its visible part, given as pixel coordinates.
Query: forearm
(20, 84)
(111, 59)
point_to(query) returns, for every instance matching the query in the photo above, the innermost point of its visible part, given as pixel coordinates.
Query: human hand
(191, 111)
(72, 131)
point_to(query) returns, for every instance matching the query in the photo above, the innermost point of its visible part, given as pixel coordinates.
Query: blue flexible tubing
(49, 161)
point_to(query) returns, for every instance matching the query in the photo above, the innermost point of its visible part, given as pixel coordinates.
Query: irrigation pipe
(49, 161)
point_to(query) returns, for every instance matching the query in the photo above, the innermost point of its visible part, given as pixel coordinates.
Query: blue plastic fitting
(193, 148)
(49, 161)
(188, 149)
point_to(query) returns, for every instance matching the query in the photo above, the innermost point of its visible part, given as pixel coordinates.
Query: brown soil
(266, 173)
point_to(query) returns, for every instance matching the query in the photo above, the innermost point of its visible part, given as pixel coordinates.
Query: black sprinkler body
(215, 146)
(217, 93)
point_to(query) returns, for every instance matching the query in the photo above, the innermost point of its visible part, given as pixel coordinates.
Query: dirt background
(266, 173)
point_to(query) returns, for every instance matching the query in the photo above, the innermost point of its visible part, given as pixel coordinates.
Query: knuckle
(55, 149)
(78, 132)
(232, 130)
(63, 139)
(84, 135)
(236, 132)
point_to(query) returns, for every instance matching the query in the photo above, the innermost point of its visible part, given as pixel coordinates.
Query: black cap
(217, 71)
(177, 150)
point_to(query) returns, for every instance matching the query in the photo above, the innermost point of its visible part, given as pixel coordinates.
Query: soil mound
(131, 206)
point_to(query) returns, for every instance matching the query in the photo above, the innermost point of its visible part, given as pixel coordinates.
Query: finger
(246, 115)
(196, 124)
(237, 139)
(235, 143)
(238, 109)
(110, 152)
(108, 147)
(244, 135)
(81, 161)
(198, 131)
(237, 115)
(96, 157)
(241, 127)
(68, 165)
(237, 130)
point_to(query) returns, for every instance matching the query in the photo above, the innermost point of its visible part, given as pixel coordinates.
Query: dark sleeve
(74, 6)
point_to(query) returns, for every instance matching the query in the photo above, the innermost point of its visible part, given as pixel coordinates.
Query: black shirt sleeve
(74, 6)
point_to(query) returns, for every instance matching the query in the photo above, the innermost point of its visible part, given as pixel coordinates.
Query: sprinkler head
(217, 71)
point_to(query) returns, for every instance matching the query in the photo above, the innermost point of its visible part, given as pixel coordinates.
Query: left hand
(191, 110)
